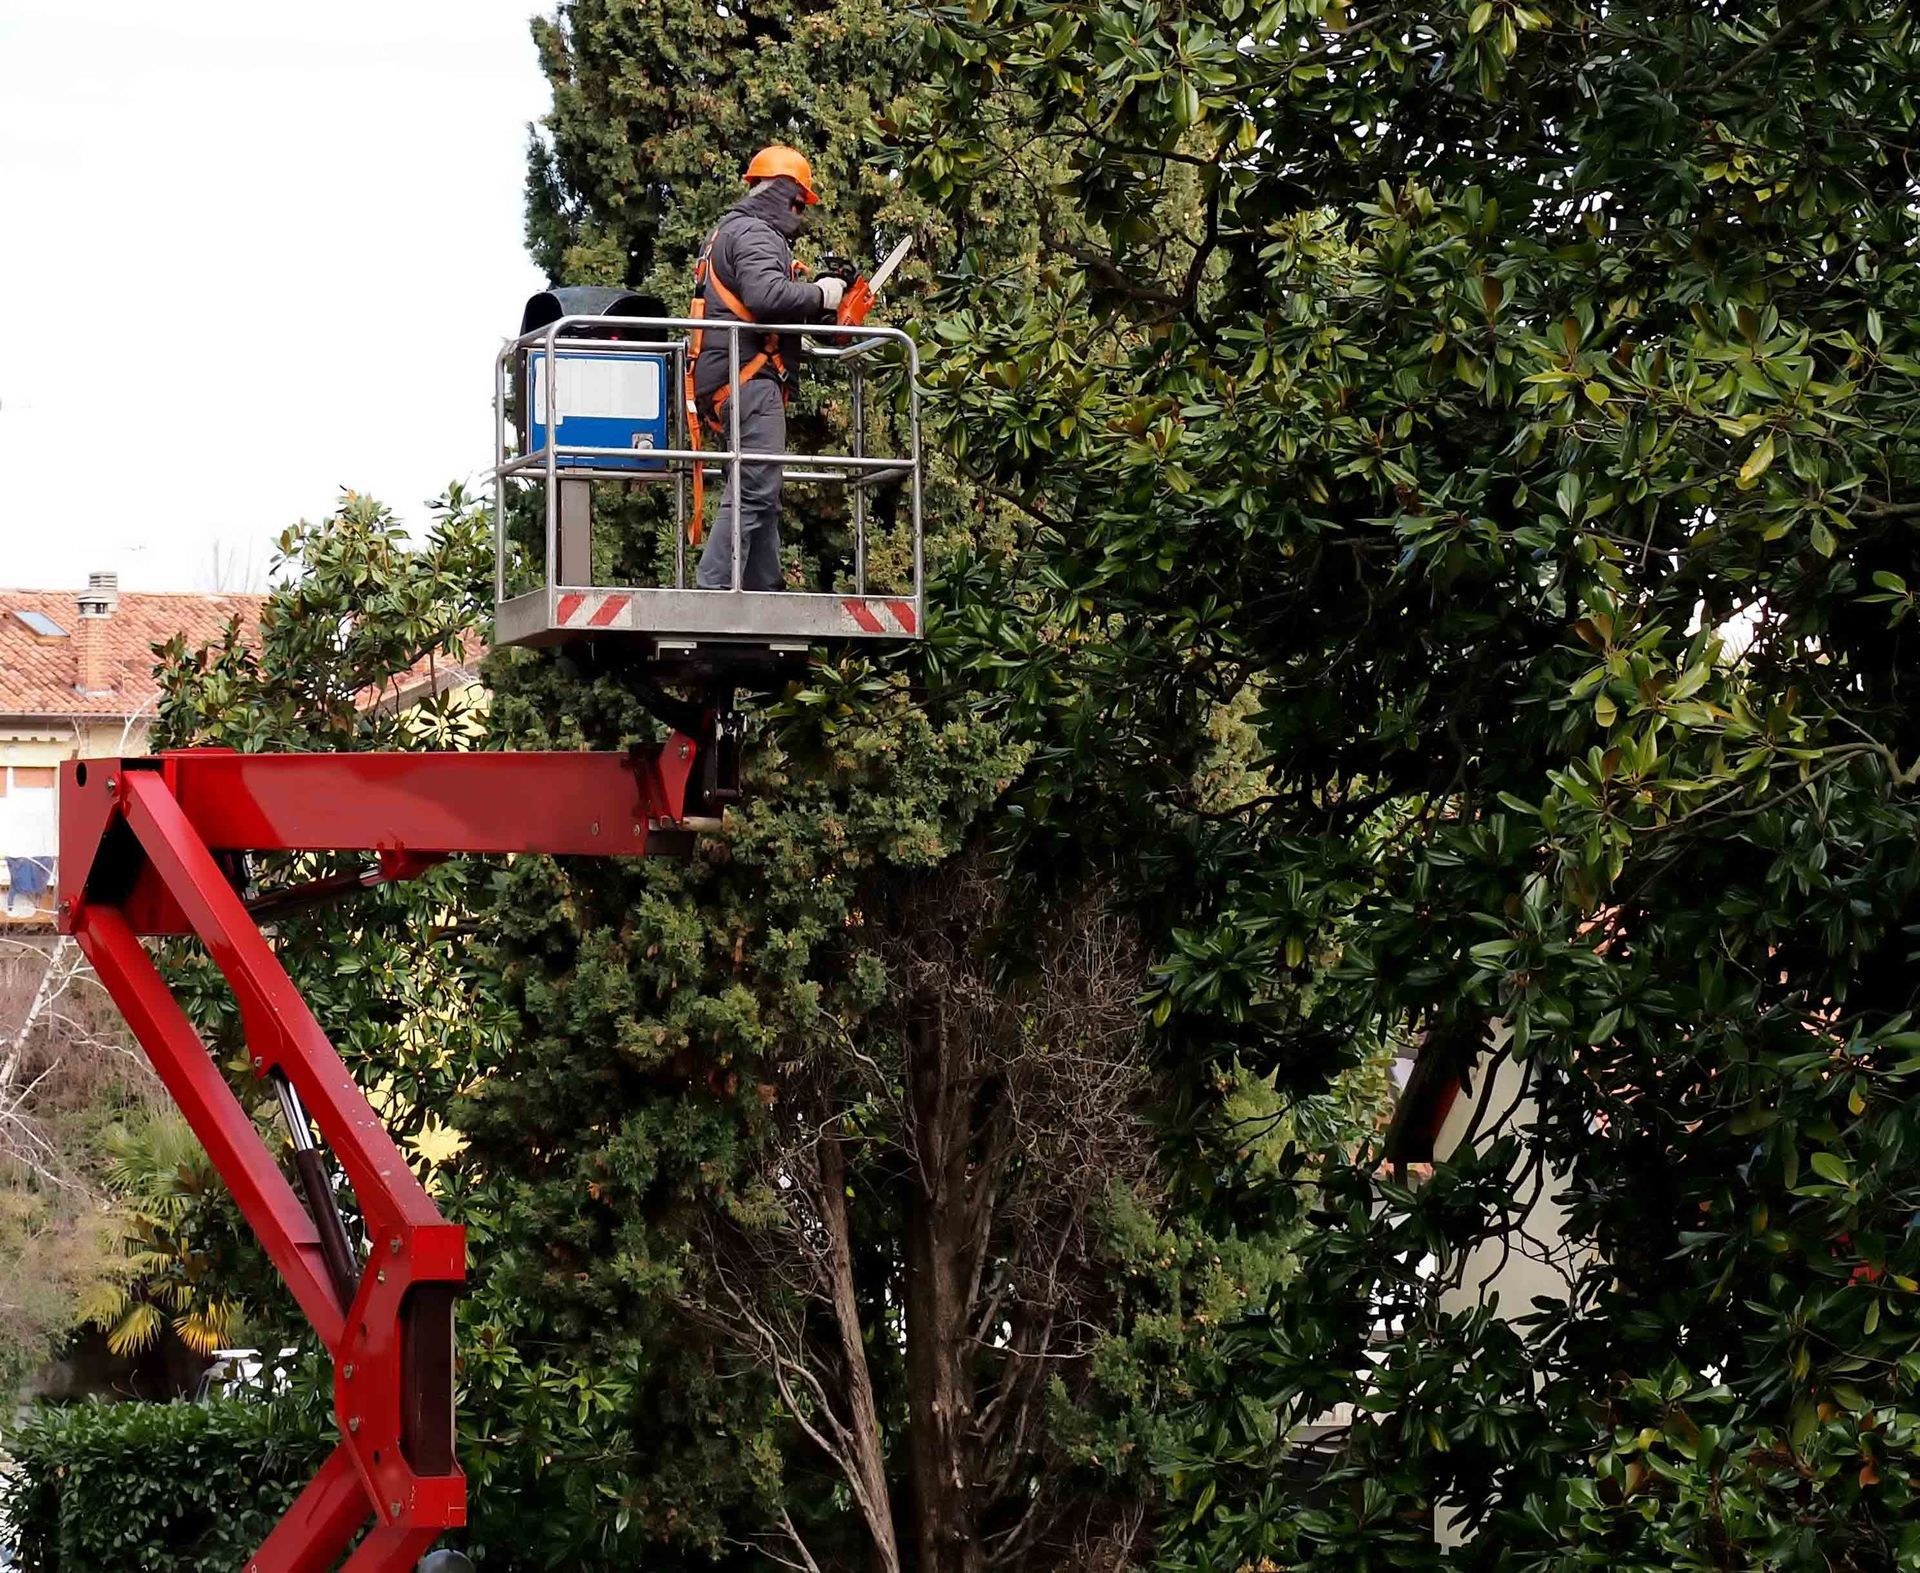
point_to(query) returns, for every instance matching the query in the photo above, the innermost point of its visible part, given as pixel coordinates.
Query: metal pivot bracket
(151, 846)
(715, 720)
(720, 762)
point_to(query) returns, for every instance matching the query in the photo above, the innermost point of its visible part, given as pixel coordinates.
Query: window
(41, 624)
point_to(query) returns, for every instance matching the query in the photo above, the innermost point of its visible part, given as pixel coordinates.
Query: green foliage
(362, 619)
(53, 1259)
(176, 1488)
(634, 163)
(359, 622)
(669, 1012)
(1514, 405)
(363, 644)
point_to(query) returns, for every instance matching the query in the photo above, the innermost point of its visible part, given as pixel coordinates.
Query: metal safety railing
(552, 460)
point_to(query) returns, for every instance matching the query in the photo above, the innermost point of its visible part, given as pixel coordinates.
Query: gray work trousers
(763, 429)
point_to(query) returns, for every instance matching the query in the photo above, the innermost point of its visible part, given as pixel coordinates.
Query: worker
(747, 274)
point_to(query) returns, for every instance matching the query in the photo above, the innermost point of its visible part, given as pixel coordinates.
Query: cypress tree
(826, 1171)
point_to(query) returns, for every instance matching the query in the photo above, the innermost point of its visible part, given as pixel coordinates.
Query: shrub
(160, 1487)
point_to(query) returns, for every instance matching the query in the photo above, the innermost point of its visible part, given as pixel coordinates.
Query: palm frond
(136, 1331)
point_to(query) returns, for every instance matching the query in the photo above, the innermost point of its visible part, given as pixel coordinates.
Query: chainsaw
(861, 293)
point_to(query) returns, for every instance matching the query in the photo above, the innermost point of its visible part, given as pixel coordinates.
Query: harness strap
(698, 311)
(769, 354)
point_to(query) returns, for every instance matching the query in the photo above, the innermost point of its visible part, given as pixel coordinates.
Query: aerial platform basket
(591, 392)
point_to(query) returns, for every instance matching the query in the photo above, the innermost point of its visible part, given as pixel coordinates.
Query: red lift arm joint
(147, 847)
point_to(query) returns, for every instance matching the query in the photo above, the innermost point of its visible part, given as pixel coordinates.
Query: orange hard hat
(777, 160)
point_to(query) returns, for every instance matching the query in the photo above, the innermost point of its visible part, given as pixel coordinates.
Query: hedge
(166, 1488)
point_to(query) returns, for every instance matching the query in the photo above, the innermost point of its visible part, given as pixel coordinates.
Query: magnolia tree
(1513, 406)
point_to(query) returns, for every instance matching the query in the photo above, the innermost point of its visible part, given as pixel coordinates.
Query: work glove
(837, 268)
(831, 292)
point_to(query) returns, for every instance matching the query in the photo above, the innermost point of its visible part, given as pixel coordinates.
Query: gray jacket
(752, 255)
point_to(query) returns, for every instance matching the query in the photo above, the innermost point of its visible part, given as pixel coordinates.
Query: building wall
(32, 750)
(1516, 1277)
(1539, 1262)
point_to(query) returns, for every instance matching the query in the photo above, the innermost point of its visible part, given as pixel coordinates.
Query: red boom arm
(141, 844)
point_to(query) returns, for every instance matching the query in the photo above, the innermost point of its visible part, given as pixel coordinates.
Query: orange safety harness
(703, 276)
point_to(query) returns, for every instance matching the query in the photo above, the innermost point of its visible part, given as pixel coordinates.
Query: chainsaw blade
(887, 269)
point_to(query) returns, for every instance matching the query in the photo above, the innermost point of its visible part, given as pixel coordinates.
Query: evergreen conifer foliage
(829, 1162)
(658, 105)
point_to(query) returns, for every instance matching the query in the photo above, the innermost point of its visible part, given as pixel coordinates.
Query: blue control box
(607, 399)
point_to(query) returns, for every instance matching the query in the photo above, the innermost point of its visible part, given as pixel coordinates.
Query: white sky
(319, 206)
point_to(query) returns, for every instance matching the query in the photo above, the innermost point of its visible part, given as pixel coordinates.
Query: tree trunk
(868, 1458)
(940, 1229)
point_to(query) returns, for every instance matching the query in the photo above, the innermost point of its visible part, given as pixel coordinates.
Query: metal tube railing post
(913, 421)
(733, 422)
(677, 425)
(552, 373)
(859, 493)
(499, 481)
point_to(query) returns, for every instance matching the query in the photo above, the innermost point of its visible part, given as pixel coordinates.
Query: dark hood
(772, 200)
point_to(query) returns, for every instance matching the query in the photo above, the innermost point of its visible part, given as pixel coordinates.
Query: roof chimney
(101, 595)
(97, 603)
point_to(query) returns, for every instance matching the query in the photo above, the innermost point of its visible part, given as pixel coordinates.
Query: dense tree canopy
(1513, 404)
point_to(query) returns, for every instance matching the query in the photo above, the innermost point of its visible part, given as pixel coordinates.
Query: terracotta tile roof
(428, 678)
(40, 675)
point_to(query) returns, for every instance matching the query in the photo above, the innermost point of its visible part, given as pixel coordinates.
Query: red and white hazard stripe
(869, 621)
(597, 609)
(881, 616)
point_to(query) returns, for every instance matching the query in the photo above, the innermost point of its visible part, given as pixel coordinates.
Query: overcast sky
(250, 253)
